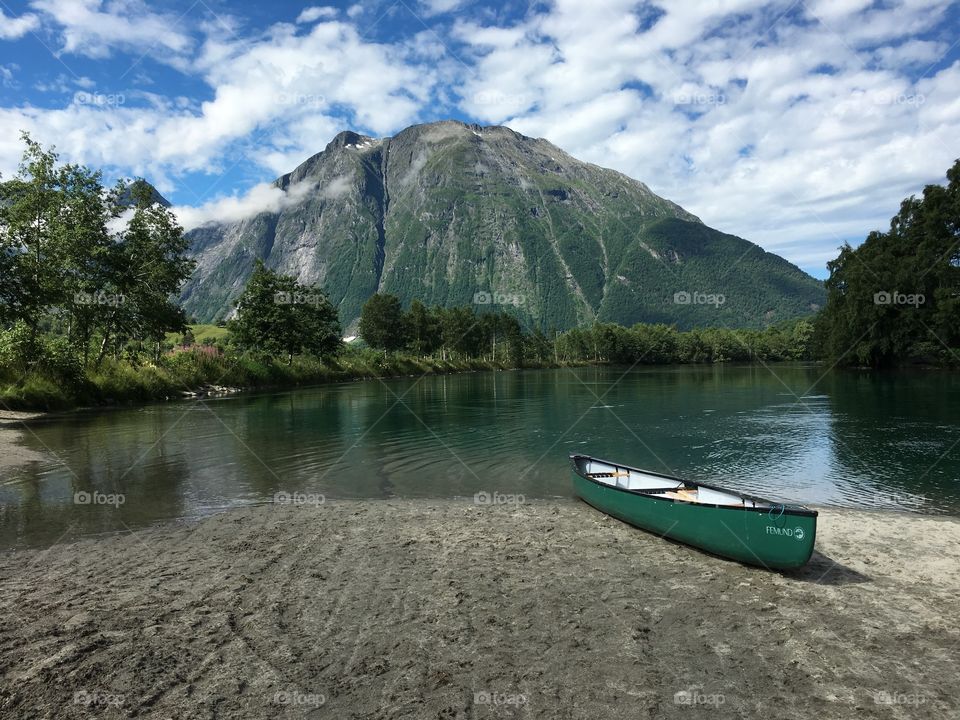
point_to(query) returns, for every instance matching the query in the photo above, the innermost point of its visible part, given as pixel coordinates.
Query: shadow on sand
(822, 570)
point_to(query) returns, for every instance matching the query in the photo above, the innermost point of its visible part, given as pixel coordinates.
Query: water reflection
(789, 432)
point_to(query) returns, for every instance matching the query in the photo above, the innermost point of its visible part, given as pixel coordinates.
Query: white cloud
(911, 52)
(337, 188)
(265, 197)
(281, 97)
(63, 83)
(440, 7)
(6, 75)
(314, 13)
(298, 140)
(12, 28)
(96, 28)
(830, 10)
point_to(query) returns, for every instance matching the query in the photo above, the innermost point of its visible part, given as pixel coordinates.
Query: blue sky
(798, 124)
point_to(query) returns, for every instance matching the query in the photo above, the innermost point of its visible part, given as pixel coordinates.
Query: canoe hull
(755, 537)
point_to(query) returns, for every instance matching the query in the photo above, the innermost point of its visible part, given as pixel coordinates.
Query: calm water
(847, 439)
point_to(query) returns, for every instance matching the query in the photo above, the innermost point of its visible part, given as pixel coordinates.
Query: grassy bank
(44, 372)
(196, 371)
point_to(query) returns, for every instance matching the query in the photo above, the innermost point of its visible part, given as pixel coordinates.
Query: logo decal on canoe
(797, 532)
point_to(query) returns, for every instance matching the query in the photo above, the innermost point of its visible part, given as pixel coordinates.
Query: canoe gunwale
(795, 510)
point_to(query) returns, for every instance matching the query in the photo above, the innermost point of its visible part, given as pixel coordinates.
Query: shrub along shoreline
(45, 373)
(194, 373)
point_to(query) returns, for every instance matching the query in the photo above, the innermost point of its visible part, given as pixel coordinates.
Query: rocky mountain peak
(446, 212)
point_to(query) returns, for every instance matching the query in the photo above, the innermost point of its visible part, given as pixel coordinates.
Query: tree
(502, 334)
(490, 323)
(11, 289)
(30, 239)
(655, 344)
(277, 316)
(614, 343)
(148, 265)
(86, 246)
(63, 267)
(575, 345)
(511, 331)
(897, 296)
(539, 346)
(423, 328)
(382, 322)
(462, 332)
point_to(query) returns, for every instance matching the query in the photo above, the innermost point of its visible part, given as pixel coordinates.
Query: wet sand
(12, 452)
(418, 609)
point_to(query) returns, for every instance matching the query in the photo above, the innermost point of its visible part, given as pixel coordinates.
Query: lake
(790, 432)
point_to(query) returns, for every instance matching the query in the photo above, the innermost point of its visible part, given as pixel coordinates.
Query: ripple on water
(454, 436)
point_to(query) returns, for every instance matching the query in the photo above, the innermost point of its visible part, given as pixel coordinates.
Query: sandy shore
(12, 452)
(414, 609)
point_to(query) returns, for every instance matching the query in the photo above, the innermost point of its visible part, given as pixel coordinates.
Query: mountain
(451, 213)
(126, 198)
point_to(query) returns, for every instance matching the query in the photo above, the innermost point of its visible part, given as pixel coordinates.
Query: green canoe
(730, 524)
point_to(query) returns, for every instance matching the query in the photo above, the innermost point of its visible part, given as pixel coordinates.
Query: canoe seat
(683, 494)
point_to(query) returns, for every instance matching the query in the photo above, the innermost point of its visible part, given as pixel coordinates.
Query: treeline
(664, 344)
(895, 299)
(458, 332)
(463, 332)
